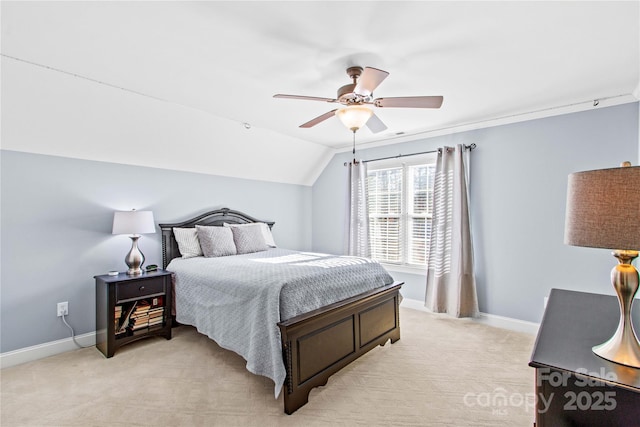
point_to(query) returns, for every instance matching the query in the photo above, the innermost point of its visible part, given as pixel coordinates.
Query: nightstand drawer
(141, 288)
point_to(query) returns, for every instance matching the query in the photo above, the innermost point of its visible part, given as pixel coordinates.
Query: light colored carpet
(442, 372)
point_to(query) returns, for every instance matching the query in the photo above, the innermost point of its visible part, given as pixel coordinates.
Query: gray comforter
(238, 300)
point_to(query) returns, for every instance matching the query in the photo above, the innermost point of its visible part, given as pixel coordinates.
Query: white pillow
(188, 243)
(216, 241)
(264, 228)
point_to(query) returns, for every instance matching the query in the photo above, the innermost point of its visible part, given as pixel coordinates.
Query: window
(400, 199)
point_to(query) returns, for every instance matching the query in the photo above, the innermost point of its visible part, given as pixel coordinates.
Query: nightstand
(129, 308)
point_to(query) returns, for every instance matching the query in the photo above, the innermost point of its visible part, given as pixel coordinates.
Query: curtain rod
(466, 147)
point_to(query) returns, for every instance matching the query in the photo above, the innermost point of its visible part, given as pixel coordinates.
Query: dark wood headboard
(213, 218)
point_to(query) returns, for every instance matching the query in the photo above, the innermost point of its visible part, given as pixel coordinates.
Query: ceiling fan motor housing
(346, 94)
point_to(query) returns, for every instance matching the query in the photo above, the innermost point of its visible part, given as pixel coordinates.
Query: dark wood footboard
(316, 345)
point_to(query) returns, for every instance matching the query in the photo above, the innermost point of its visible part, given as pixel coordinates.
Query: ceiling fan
(355, 95)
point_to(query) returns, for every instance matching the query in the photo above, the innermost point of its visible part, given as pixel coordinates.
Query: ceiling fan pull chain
(355, 162)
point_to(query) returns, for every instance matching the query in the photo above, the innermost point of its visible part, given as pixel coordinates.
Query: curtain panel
(358, 211)
(451, 285)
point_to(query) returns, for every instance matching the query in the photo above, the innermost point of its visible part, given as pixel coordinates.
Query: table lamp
(603, 211)
(134, 223)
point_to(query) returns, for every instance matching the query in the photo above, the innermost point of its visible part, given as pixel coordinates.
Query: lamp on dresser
(134, 223)
(603, 211)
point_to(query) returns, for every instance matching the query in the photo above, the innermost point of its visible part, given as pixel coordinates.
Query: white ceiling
(488, 59)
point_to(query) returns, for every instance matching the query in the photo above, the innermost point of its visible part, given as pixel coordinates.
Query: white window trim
(406, 268)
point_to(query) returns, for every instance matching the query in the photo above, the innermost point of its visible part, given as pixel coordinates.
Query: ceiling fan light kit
(354, 117)
(355, 95)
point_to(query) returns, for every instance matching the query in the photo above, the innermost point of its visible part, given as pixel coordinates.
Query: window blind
(400, 201)
(385, 211)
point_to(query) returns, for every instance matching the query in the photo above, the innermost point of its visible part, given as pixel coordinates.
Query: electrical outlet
(63, 308)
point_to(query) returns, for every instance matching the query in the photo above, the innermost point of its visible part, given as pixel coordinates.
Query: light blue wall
(56, 223)
(518, 194)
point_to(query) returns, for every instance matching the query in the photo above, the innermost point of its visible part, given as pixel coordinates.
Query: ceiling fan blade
(307, 98)
(410, 102)
(318, 119)
(375, 125)
(369, 80)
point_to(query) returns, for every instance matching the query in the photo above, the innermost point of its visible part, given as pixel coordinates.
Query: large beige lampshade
(603, 209)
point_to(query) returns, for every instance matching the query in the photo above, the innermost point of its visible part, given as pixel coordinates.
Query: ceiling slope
(219, 63)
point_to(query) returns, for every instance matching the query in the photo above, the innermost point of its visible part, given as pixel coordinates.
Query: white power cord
(73, 334)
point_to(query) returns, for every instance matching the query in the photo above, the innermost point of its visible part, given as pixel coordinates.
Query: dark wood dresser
(574, 387)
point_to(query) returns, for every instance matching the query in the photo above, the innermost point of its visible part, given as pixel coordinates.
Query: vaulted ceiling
(226, 60)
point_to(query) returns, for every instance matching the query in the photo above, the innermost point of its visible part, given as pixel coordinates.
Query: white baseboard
(484, 318)
(40, 351)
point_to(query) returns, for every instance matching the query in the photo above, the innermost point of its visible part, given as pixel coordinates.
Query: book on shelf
(157, 322)
(157, 302)
(156, 312)
(117, 316)
(139, 318)
(137, 326)
(143, 307)
(125, 322)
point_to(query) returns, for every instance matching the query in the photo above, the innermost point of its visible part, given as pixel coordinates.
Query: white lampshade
(354, 117)
(133, 222)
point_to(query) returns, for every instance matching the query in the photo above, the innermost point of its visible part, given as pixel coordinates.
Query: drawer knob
(141, 288)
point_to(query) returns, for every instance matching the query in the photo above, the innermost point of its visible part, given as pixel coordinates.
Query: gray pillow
(188, 243)
(248, 239)
(216, 241)
(266, 231)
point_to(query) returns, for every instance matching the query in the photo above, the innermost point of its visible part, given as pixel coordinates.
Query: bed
(303, 342)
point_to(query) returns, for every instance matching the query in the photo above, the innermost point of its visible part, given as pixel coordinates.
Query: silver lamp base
(623, 347)
(134, 258)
